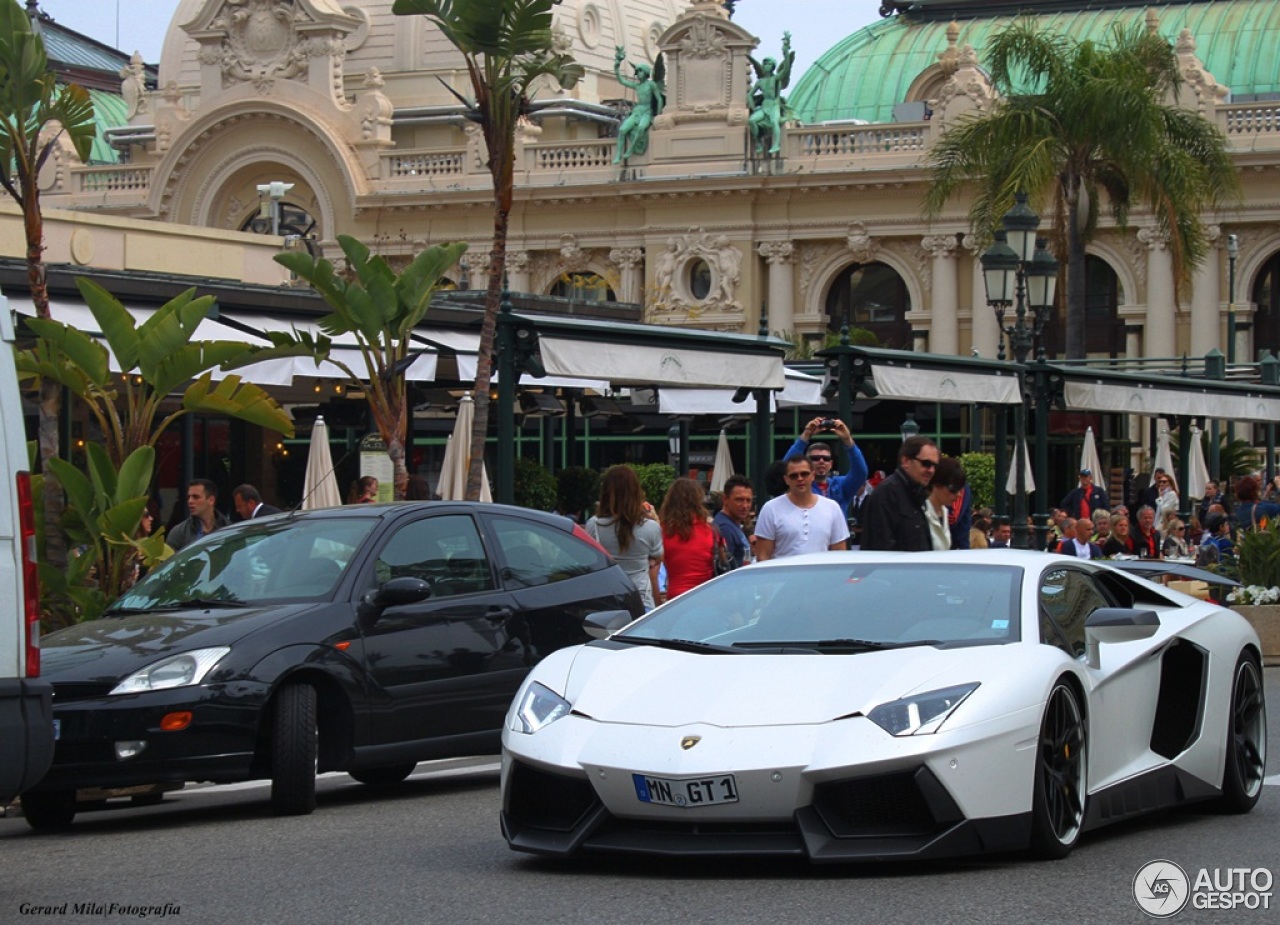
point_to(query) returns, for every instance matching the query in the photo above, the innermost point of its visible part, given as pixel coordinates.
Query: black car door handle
(498, 614)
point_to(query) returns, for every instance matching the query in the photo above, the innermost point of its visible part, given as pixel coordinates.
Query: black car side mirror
(396, 592)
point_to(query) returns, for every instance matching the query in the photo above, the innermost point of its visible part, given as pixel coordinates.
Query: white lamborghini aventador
(868, 706)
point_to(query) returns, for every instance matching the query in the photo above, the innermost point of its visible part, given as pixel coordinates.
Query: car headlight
(920, 714)
(174, 671)
(538, 707)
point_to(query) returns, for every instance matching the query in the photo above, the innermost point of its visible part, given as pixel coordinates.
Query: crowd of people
(924, 504)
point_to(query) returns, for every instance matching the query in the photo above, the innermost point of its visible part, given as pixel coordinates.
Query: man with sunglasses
(839, 488)
(799, 521)
(893, 517)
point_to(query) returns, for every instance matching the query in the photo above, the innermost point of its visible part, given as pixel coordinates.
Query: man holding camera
(839, 488)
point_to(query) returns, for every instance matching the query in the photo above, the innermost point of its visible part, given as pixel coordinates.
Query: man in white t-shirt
(799, 521)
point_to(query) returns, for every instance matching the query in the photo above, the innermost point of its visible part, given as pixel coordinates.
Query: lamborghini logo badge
(689, 742)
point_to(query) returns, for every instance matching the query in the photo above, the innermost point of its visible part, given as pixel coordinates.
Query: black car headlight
(920, 714)
(172, 671)
(538, 708)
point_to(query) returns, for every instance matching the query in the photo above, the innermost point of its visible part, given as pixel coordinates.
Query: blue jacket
(839, 488)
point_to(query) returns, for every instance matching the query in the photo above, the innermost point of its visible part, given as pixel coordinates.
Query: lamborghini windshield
(841, 607)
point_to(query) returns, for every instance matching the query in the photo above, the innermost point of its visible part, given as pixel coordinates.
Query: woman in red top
(686, 537)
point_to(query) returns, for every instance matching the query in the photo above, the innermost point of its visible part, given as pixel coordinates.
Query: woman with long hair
(364, 490)
(625, 525)
(1121, 542)
(946, 486)
(688, 541)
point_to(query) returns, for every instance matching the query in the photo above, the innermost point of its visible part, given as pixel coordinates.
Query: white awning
(1185, 400)
(801, 390)
(623, 364)
(943, 385)
(282, 371)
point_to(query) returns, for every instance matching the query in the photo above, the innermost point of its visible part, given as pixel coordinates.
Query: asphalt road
(430, 851)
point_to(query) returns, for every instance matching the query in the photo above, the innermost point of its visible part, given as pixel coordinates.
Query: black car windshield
(842, 607)
(280, 559)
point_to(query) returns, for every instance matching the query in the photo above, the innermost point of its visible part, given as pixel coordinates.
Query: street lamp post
(1233, 251)
(1019, 271)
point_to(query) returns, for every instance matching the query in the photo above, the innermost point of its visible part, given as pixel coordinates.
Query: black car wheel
(293, 751)
(383, 777)
(1246, 758)
(49, 812)
(1057, 811)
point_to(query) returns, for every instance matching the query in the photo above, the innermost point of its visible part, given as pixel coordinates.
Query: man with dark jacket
(1085, 498)
(893, 517)
(202, 498)
(247, 501)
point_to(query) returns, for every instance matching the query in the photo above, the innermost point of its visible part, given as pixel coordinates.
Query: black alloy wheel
(1246, 758)
(1061, 776)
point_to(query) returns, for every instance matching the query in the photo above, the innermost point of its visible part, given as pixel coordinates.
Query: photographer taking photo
(839, 488)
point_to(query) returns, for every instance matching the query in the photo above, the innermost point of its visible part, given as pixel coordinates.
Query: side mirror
(1117, 624)
(394, 593)
(604, 623)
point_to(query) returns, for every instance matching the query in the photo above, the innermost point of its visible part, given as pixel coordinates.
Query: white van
(26, 702)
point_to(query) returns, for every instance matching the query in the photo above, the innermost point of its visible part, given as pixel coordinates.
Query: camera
(827, 423)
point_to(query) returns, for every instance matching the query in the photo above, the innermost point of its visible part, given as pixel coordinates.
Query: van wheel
(51, 811)
(293, 751)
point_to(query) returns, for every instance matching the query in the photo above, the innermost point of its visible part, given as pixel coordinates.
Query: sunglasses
(926, 463)
(797, 476)
(954, 489)
(818, 458)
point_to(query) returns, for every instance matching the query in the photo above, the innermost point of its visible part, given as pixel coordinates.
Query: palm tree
(31, 102)
(380, 309)
(507, 46)
(1079, 120)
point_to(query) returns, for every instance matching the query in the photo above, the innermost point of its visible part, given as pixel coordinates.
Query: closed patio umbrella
(723, 467)
(320, 485)
(1090, 460)
(1198, 471)
(453, 469)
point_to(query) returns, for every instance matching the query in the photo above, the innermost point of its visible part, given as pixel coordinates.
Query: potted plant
(1258, 600)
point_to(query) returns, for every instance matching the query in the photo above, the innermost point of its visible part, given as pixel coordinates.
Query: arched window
(583, 287)
(871, 296)
(293, 220)
(1266, 321)
(1104, 331)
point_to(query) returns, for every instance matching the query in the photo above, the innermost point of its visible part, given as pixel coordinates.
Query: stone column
(944, 330)
(780, 256)
(1206, 300)
(1161, 326)
(629, 261)
(986, 331)
(518, 271)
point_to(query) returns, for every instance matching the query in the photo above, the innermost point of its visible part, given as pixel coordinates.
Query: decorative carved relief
(777, 252)
(939, 245)
(626, 258)
(861, 244)
(672, 290)
(812, 258)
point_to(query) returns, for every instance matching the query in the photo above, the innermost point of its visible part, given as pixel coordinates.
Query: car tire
(1061, 776)
(1246, 757)
(50, 811)
(293, 751)
(383, 777)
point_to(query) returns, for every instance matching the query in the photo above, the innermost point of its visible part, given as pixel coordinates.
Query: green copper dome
(866, 74)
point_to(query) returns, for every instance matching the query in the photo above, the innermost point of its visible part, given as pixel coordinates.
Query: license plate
(693, 791)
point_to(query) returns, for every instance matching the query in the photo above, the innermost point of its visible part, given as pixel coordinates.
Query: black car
(360, 639)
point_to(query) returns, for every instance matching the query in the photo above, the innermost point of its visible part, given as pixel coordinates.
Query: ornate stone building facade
(348, 104)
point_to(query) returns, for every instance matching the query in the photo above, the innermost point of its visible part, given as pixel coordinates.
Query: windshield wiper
(125, 611)
(869, 645)
(679, 645)
(210, 602)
